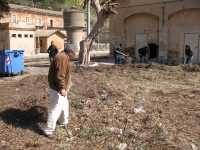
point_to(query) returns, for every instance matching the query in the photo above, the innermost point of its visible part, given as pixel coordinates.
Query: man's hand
(63, 92)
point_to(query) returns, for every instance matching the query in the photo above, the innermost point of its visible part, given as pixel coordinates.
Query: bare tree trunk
(86, 45)
(103, 11)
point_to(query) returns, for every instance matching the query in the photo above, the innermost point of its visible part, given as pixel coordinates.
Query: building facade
(21, 29)
(165, 26)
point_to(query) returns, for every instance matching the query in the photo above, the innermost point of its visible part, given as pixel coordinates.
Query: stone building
(21, 29)
(165, 26)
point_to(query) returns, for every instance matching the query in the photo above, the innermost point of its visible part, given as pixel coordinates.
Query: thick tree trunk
(103, 11)
(86, 45)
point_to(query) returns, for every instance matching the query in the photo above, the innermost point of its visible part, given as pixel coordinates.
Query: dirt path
(149, 108)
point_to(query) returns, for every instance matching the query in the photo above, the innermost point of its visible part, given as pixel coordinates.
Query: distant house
(17, 37)
(19, 30)
(45, 38)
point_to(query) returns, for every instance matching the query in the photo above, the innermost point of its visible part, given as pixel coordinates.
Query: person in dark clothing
(52, 50)
(117, 52)
(142, 53)
(189, 55)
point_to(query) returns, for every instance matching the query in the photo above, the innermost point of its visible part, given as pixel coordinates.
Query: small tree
(4, 8)
(103, 11)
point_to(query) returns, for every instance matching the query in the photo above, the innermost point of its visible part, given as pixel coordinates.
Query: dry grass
(169, 96)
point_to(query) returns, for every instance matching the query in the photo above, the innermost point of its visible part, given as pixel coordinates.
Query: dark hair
(120, 45)
(187, 46)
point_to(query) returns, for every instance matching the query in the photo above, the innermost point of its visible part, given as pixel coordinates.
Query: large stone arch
(183, 28)
(140, 23)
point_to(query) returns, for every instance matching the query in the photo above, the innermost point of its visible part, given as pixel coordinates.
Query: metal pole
(38, 36)
(163, 13)
(88, 17)
(88, 23)
(98, 42)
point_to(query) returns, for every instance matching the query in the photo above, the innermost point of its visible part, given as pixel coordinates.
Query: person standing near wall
(117, 52)
(142, 53)
(59, 78)
(189, 55)
(52, 51)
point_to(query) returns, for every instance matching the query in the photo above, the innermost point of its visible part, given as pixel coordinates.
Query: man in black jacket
(189, 55)
(52, 50)
(117, 51)
(142, 53)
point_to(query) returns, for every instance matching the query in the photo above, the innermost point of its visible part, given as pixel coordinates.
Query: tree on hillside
(4, 8)
(103, 9)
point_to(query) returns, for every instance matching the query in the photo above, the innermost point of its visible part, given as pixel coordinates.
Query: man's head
(52, 42)
(70, 50)
(187, 47)
(121, 45)
(146, 47)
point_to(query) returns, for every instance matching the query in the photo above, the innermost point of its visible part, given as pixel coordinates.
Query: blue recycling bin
(11, 61)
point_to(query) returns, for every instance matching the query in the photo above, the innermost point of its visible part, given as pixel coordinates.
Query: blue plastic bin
(11, 61)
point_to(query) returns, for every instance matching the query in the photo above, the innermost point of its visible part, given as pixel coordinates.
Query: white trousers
(58, 109)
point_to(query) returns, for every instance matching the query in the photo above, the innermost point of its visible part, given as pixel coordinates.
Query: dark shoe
(51, 136)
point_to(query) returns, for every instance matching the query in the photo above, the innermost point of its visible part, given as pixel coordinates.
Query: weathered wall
(181, 24)
(33, 18)
(4, 40)
(43, 47)
(169, 27)
(139, 24)
(22, 40)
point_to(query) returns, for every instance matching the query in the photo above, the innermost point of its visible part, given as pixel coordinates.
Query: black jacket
(52, 50)
(143, 52)
(188, 52)
(118, 48)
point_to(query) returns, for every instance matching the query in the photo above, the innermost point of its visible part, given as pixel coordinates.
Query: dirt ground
(148, 107)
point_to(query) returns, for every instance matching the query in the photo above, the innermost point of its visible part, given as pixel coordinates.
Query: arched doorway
(184, 30)
(140, 31)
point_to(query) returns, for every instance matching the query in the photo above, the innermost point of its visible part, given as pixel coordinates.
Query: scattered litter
(87, 141)
(139, 110)
(137, 125)
(160, 125)
(93, 65)
(17, 89)
(103, 95)
(88, 101)
(121, 131)
(70, 139)
(119, 103)
(114, 129)
(122, 146)
(77, 129)
(3, 143)
(194, 146)
(105, 99)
